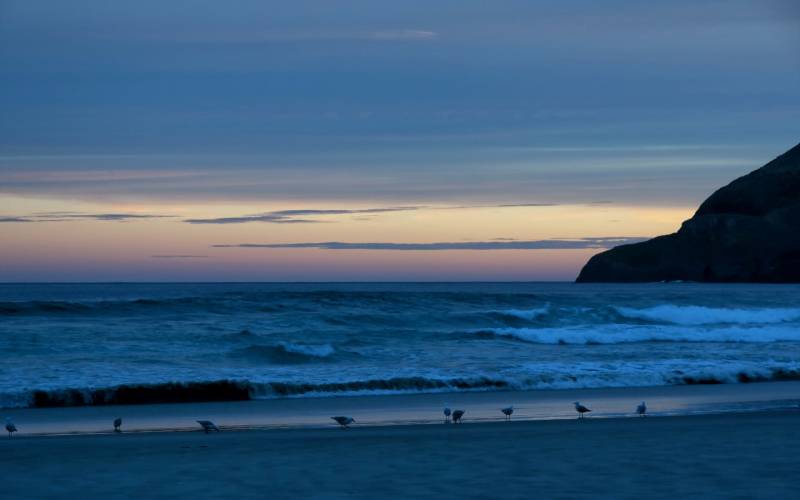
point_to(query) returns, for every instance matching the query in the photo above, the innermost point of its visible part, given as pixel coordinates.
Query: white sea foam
(319, 351)
(621, 334)
(386, 339)
(700, 315)
(528, 314)
(594, 374)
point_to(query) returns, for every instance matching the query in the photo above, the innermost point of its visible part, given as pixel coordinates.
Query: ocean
(97, 344)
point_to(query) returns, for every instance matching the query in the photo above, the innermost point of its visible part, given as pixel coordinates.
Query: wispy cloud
(526, 205)
(297, 216)
(307, 216)
(552, 244)
(179, 256)
(403, 35)
(261, 36)
(72, 216)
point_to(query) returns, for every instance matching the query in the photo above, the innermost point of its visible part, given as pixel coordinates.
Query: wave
(700, 315)
(241, 335)
(14, 308)
(171, 392)
(624, 334)
(539, 376)
(528, 314)
(514, 317)
(232, 390)
(68, 307)
(286, 353)
(657, 373)
(685, 315)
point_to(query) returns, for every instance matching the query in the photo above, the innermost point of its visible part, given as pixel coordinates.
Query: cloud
(296, 216)
(291, 216)
(552, 244)
(113, 216)
(404, 35)
(414, 174)
(274, 219)
(72, 216)
(527, 205)
(258, 36)
(179, 256)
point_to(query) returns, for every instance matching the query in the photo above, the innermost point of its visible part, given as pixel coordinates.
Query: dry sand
(744, 455)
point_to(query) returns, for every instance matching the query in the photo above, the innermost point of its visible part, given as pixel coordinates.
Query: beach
(270, 364)
(738, 455)
(721, 441)
(407, 409)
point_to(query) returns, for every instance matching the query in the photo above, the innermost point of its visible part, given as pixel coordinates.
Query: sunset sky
(361, 141)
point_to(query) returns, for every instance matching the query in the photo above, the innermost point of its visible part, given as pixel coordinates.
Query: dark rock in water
(747, 231)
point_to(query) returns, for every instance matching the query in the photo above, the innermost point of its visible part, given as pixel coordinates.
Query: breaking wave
(286, 353)
(231, 390)
(545, 376)
(624, 334)
(699, 315)
(153, 343)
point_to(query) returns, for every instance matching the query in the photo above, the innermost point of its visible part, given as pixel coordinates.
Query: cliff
(747, 231)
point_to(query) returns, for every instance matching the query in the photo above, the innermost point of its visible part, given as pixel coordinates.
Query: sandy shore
(746, 455)
(408, 409)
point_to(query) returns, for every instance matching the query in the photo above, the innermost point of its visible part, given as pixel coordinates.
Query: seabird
(447, 413)
(344, 421)
(581, 409)
(117, 424)
(208, 426)
(507, 412)
(457, 414)
(10, 427)
(641, 409)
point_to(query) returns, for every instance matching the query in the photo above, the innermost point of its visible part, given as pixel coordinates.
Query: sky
(375, 141)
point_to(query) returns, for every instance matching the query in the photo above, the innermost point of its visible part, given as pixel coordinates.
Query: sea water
(79, 344)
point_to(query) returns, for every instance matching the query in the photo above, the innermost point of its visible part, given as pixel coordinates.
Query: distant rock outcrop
(747, 231)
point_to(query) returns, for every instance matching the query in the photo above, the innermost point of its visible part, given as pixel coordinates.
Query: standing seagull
(507, 412)
(447, 413)
(208, 426)
(457, 414)
(10, 427)
(344, 421)
(641, 409)
(581, 409)
(117, 424)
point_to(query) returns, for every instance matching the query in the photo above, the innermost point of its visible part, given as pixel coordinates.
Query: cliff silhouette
(747, 231)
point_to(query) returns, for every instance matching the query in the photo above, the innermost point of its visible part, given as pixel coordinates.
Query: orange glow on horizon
(103, 250)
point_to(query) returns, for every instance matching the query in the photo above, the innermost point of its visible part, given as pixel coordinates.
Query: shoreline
(408, 409)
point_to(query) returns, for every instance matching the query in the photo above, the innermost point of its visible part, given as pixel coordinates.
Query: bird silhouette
(344, 421)
(581, 409)
(208, 426)
(117, 424)
(447, 413)
(10, 427)
(457, 414)
(508, 412)
(641, 410)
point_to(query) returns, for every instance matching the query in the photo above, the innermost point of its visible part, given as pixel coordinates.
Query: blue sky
(369, 87)
(270, 106)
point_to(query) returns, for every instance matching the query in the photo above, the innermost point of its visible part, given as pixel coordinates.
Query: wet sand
(736, 455)
(409, 409)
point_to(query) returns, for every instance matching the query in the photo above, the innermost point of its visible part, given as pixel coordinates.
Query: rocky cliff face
(747, 231)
